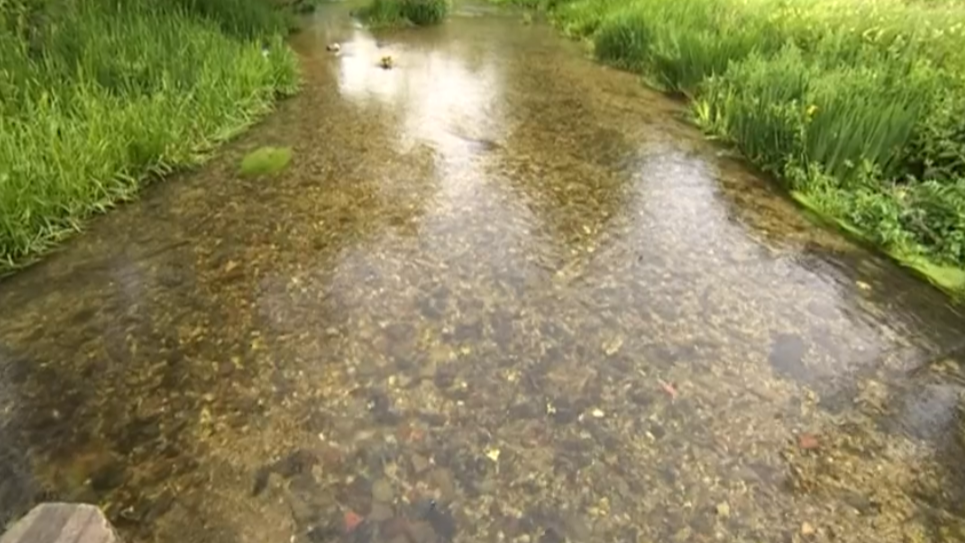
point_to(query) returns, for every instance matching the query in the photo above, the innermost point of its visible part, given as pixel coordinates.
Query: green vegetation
(265, 161)
(856, 106)
(386, 13)
(100, 96)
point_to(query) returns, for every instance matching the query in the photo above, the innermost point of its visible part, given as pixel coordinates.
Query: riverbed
(502, 293)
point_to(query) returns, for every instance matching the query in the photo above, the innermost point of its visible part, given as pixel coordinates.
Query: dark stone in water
(261, 480)
(433, 419)
(564, 411)
(107, 478)
(295, 463)
(524, 410)
(552, 535)
(382, 409)
(444, 377)
(641, 396)
(321, 534)
(787, 357)
(138, 432)
(17, 486)
(656, 430)
(440, 518)
(298, 462)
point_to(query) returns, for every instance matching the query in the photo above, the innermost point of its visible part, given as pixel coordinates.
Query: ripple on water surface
(500, 294)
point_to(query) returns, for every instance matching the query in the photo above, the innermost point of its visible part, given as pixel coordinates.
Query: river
(502, 293)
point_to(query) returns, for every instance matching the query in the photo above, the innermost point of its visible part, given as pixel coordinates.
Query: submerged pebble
(382, 491)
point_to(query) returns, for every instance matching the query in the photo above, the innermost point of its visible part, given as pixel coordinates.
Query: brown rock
(380, 512)
(421, 532)
(382, 491)
(419, 463)
(395, 527)
(442, 479)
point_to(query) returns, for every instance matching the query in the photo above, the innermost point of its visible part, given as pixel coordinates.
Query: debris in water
(808, 442)
(669, 389)
(723, 510)
(352, 521)
(613, 346)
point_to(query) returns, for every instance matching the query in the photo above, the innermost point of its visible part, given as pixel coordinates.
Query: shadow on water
(499, 295)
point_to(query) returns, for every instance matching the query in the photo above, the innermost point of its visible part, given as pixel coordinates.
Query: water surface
(501, 294)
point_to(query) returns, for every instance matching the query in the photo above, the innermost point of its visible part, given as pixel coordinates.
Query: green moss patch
(265, 161)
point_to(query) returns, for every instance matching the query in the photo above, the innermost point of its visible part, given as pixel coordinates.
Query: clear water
(501, 294)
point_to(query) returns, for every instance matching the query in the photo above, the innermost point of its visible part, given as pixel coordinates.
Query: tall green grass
(387, 13)
(858, 106)
(100, 96)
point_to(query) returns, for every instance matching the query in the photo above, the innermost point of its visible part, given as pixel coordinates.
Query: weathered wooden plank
(62, 523)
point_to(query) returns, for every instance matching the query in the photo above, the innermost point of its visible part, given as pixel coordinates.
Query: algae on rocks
(265, 161)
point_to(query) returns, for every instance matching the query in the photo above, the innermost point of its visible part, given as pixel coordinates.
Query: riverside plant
(388, 13)
(98, 97)
(855, 106)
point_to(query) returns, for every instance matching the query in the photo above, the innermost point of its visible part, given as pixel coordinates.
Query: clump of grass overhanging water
(97, 97)
(387, 13)
(857, 106)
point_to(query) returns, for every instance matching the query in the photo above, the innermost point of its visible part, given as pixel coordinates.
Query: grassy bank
(856, 106)
(390, 13)
(100, 96)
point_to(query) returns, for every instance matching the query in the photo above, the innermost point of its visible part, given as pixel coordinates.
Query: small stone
(382, 491)
(486, 486)
(807, 529)
(419, 463)
(302, 510)
(552, 535)
(577, 528)
(380, 512)
(395, 527)
(723, 510)
(421, 532)
(598, 413)
(428, 370)
(442, 479)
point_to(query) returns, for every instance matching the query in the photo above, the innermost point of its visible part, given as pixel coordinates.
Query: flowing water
(501, 294)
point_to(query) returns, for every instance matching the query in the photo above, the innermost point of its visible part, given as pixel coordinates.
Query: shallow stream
(502, 293)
